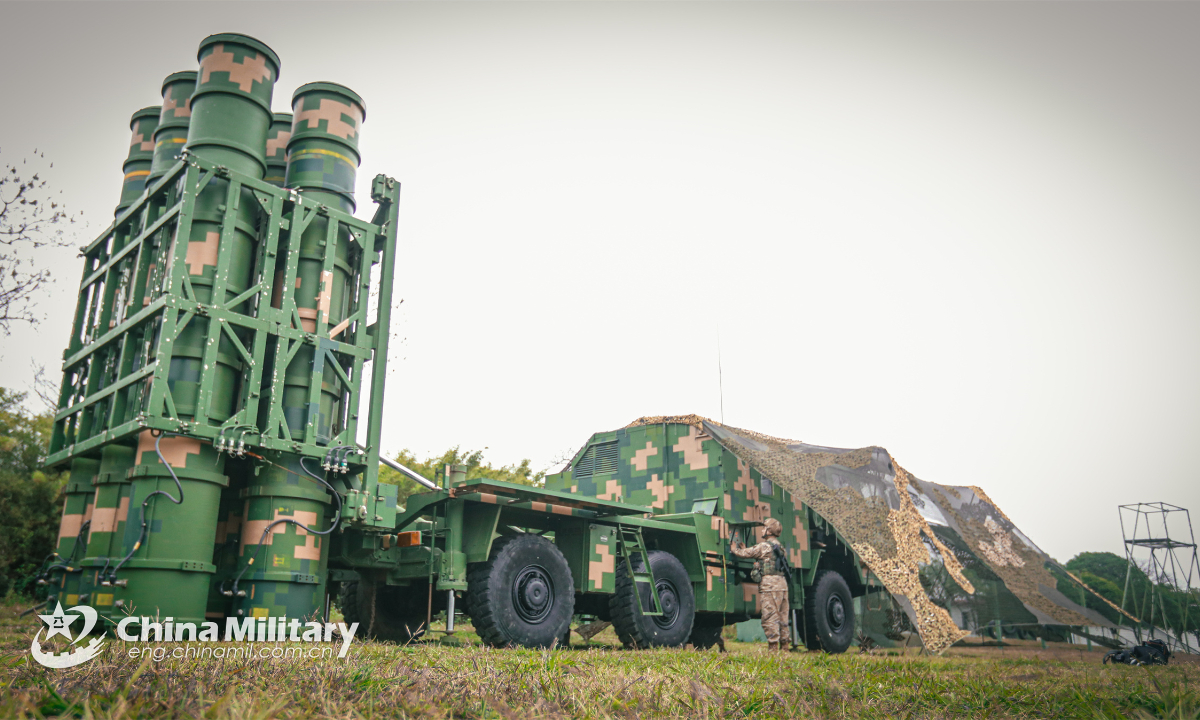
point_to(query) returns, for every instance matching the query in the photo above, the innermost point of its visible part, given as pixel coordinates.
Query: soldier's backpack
(1151, 652)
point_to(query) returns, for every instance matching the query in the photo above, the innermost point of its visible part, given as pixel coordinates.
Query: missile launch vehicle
(226, 359)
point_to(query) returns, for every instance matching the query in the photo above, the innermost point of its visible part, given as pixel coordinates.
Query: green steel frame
(136, 296)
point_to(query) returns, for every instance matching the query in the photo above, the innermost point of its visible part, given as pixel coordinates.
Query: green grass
(456, 677)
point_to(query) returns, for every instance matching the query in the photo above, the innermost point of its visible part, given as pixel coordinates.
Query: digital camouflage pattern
(231, 106)
(773, 588)
(322, 160)
(676, 467)
(322, 151)
(175, 332)
(173, 123)
(775, 623)
(276, 151)
(141, 153)
(918, 539)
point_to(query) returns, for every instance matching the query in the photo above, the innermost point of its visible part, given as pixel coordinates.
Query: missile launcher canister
(210, 425)
(276, 154)
(141, 154)
(173, 123)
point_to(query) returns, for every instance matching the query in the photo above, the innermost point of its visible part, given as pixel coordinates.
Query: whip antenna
(720, 381)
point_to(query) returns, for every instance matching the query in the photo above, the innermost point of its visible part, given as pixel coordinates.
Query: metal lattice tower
(1159, 540)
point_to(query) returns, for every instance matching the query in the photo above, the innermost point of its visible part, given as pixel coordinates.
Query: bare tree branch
(29, 221)
(45, 388)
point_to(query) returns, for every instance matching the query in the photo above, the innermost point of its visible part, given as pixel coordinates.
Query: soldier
(773, 588)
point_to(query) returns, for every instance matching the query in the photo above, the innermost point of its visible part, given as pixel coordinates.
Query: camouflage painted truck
(221, 414)
(634, 532)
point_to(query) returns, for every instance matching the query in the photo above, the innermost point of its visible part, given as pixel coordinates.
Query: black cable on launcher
(337, 516)
(142, 511)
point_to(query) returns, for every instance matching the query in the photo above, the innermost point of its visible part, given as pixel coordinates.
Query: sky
(966, 232)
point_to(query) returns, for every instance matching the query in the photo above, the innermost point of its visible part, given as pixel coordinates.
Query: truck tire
(523, 595)
(671, 629)
(347, 602)
(395, 616)
(829, 613)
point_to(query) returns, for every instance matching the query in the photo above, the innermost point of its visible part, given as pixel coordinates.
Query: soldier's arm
(755, 552)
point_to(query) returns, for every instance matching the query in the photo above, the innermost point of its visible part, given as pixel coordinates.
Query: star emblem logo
(59, 622)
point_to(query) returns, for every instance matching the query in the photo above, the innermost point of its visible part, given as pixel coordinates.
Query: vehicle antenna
(720, 381)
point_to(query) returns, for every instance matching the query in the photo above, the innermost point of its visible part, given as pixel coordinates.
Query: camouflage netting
(950, 558)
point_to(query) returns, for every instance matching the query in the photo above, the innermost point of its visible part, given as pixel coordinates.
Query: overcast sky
(968, 233)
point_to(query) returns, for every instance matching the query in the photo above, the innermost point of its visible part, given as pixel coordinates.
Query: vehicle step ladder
(632, 542)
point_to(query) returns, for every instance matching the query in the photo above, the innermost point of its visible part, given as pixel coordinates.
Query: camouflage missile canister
(288, 575)
(277, 140)
(230, 115)
(323, 150)
(231, 107)
(322, 163)
(173, 560)
(141, 153)
(110, 509)
(204, 401)
(173, 123)
(322, 159)
(72, 529)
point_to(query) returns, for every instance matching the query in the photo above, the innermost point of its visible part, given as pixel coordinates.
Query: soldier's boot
(772, 646)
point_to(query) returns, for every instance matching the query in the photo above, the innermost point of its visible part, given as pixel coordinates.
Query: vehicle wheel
(705, 634)
(395, 615)
(347, 602)
(829, 613)
(674, 626)
(523, 595)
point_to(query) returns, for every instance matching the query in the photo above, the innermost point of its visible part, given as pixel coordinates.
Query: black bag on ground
(1151, 652)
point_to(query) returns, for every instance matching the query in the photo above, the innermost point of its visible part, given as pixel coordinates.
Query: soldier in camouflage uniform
(773, 589)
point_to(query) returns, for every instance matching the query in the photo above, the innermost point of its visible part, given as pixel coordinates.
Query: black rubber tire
(674, 628)
(829, 613)
(523, 595)
(705, 634)
(347, 602)
(396, 615)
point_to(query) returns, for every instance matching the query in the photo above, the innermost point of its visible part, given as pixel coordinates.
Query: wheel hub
(836, 612)
(533, 594)
(668, 597)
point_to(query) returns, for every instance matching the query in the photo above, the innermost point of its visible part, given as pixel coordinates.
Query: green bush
(30, 498)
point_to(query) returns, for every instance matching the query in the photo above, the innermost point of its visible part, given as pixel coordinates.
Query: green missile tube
(276, 151)
(165, 566)
(288, 577)
(72, 528)
(284, 569)
(173, 123)
(322, 161)
(229, 123)
(141, 154)
(110, 510)
(323, 153)
(231, 107)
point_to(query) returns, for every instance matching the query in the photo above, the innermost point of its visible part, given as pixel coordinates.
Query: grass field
(457, 677)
